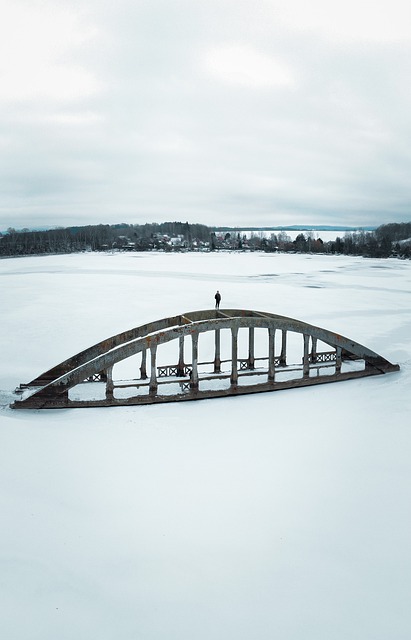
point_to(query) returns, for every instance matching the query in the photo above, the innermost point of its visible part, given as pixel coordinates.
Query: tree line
(392, 239)
(101, 238)
(385, 241)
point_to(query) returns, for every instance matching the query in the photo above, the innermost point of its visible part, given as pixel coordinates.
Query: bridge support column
(194, 373)
(338, 360)
(271, 354)
(143, 367)
(153, 373)
(217, 357)
(306, 361)
(283, 355)
(109, 384)
(313, 349)
(234, 362)
(180, 366)
(251, 360)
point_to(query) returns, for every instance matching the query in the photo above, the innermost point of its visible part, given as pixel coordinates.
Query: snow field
(280, 515)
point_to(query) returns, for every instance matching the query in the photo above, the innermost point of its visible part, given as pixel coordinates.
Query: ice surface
(280, 515)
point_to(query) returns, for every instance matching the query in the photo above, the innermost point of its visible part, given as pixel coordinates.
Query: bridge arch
(65, 384)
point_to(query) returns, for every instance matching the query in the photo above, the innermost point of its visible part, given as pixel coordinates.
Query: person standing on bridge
(217, 300)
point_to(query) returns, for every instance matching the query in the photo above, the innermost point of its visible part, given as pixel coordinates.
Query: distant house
(178, 242)
(124, 242)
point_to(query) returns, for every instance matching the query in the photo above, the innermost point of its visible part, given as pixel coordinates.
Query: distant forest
(387, 240)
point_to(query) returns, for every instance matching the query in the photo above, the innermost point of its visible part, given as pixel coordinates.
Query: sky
(231, 112)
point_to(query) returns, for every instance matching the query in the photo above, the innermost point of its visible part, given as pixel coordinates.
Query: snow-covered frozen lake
(281, 515)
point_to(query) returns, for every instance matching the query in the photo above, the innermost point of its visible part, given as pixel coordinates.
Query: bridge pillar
(306, 361)
(153, 373)
(109, 384)
(194, 372)
(313, 349)
(217, 357)
(234, 363)
(338, 360)
(283, 355)
(251, 360)
(180, 366)
(271, 354)
(143, 367)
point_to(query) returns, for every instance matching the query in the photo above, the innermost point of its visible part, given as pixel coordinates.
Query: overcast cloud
(232, 112)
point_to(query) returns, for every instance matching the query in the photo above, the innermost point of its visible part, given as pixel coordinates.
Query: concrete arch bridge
(201, 354)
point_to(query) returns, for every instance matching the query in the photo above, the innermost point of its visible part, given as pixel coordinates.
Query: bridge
(243, 351)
